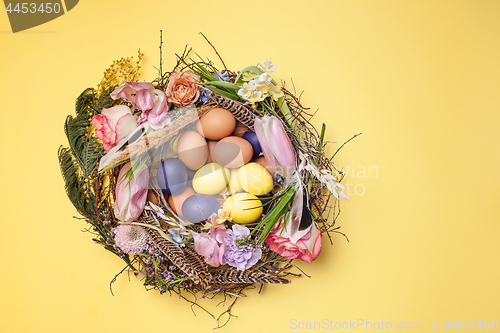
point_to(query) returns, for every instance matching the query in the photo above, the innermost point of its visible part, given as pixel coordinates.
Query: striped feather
(235, 276)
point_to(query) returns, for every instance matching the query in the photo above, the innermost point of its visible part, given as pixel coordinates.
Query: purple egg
(265, 199)
(199, 207)
(252, 138)
(172, 176)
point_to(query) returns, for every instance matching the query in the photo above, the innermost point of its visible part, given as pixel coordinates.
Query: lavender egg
(199, 207)
(172, 176)
(252, 138)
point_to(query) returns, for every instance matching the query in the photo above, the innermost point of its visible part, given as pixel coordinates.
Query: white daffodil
(275, 91)
(247, 90)
(248, 76)
(263, 88)
(267, 67)
(264, 78)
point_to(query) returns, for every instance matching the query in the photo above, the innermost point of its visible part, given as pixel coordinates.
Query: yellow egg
(234, 185)
(255, 179)
(244, 207)
(211, 179)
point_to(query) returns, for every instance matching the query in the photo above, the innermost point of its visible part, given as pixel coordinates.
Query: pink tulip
(306, 248)
(157, 117)
(131, 196)
(276, 145)
(114, 124)
(137, 93)
(211, 246)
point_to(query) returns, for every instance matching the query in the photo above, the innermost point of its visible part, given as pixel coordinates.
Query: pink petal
(280, 146)
(125, 124)
(114, 113)
(144, 100)
(259, 128)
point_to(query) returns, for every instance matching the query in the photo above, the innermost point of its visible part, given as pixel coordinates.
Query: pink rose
(211, 246)
(113, 125)
(131, 196)
(182, 89)
(157, 117)
(307, 248)
(137, 93)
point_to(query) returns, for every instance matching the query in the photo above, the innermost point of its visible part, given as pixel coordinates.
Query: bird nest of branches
(205, 181)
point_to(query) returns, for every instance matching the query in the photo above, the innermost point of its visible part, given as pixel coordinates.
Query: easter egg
(232, 152)
(244, 207)
(262, 161)
(252, 138)
(255, 179)
(199, 207)
(176, 201)
(234, 185)
(211, 146)
(239, 131)
(172, 176)
(152, 197)
(211, 179)
(216, 124)
(265, 199)
(192, 150)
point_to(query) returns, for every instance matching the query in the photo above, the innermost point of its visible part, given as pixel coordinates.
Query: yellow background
(419, 79)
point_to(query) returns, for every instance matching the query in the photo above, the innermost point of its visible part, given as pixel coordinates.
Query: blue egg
(252, 138)
(172, 176)
(199, 207)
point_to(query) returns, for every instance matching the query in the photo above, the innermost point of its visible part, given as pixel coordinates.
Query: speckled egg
(244, 207)
(211, 179)
(255, 179)
(216, 124)
(232, 152)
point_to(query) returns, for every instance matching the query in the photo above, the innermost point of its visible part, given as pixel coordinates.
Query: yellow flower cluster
(120, 70)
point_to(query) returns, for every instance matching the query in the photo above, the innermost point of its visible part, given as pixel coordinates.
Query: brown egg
(192, 150)
(211, 145)
(240, 130)
(216, 124)
(262, 161)
(233, 152)
(152, 197)
(176, 201)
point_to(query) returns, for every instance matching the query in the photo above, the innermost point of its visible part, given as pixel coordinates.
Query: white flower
(248, 76)
(264, 78)
(267, 67)
(275, 91)
(247, 90)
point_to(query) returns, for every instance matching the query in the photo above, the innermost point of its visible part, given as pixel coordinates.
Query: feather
(173, 252)
(235, 276)
(300, 221)
(134, 136)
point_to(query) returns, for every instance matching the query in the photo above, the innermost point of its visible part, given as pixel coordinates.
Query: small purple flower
(204, 95)
(221, 76)
(176, 236)
(240, 256)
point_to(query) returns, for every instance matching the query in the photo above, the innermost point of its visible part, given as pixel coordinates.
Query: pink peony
(182, 89)
(307, 248)
(137, 93)
(113, 125)
(211, 246)
(131, 196)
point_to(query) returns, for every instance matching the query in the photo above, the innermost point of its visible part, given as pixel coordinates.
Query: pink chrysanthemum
(131, 239)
